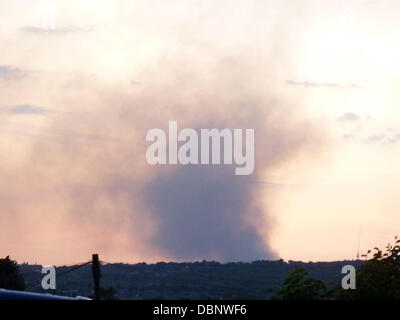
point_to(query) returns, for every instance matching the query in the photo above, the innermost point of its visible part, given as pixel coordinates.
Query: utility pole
(96, 275)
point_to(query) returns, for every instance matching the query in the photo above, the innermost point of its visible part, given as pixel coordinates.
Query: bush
(378, 278)
(300, 286)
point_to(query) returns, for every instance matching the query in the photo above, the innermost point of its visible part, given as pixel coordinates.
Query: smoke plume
(79, 181)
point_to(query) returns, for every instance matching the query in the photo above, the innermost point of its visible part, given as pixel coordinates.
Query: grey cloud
(383, 139)
(11, 73)
(349, 116)
(393, 139)
(374, 138)
(63, 30)
(27, 109)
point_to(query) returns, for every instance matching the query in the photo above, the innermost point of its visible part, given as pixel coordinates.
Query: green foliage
(379, 277)
(300, 286)
(10, 278)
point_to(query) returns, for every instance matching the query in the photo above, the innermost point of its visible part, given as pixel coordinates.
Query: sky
(82, 82)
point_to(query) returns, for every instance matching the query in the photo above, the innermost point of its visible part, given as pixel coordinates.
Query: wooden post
(96, 275)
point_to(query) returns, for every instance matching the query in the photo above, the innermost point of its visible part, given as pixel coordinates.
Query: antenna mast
(358, 247)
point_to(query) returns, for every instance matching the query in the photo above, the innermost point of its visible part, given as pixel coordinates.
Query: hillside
(196, 280)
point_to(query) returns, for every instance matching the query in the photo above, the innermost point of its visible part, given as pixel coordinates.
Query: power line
(72, 268)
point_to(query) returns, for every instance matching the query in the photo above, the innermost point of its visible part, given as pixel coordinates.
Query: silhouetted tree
(10, 278)
(300, 286)
(378, 278)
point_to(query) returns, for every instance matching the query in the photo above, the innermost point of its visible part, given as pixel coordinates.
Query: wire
(72, 268)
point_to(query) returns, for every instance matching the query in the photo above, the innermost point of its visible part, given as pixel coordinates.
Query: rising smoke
(83, 183)
(107, 191)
